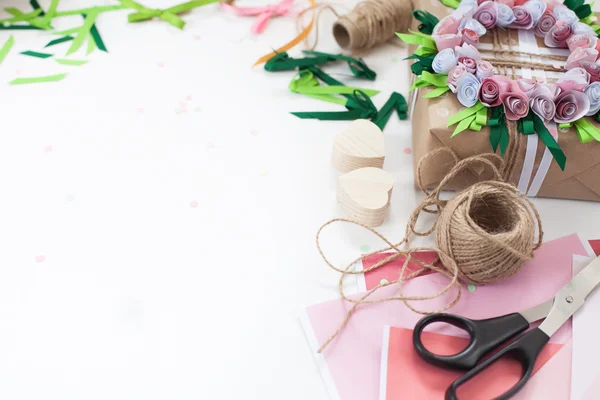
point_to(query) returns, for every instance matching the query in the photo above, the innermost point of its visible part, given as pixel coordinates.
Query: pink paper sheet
(406, 376)
(351, 364)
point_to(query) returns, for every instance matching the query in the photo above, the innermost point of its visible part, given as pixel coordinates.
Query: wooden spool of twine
(372, 22)
(484, 234)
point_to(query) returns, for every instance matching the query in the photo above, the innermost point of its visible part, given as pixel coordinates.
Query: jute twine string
(300, 26)
(483, 235)
(372, 22)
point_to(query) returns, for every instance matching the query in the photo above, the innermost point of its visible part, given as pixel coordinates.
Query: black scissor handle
(526, 349)
(485, 335)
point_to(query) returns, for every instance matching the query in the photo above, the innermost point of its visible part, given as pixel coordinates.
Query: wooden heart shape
(364, 194)
(360, 145)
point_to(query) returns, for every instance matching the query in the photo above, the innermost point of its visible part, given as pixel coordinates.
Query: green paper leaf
(47, 19)
(91, 44)
(36, 54)
(18, 27)
(6, 47)
(39, 79)
(59, 40)
(97, 38)
(549, 141)
(465, 113)
(331, 115)
(451, 3)
(586, 131)
(65, 61)
(168, 15)
(67, 32)
(31, 18)
(428, 21)
(397, 102)
(463, 125)
(437, 92)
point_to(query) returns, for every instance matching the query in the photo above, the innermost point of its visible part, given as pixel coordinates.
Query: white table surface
(112, 284)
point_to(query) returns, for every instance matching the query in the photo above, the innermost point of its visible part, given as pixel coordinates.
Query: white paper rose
(472, 24)
(505, 16)
(468, 90)
(562, 13)
(536, 8)
(593, 93)
(444, 61)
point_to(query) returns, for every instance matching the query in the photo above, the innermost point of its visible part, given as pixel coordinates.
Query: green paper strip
(428, 21)
(36, 54)
(565, 126)
(82, 32)
(395, 102)
(17, 27)
(357, 66)
(321, 90)
(99, 9)
(547, 138)
(47, 19)
(451, 3)
(425, 64)
(481, 117)
(67, 32)
(65, 61)
(59, 40)
(36, 6)
(91, 44)
(454, 119)
(318, 73)
(6, 47)
(498, 130)
(429, 79)
(30, 18)
(39, 79)
(416, 39)
(168, 15)
(424, 52)
(586, 131)
(283, 62)
(332, 115)
(97, 38)
(463, 125)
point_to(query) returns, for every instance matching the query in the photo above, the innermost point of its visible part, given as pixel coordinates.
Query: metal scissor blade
(571, 297)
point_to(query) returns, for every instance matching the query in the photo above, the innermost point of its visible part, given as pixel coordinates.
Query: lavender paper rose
(570, 106)
(444, 61)
(484, 69)
(467, 91)
(593, 93)
(541, 102)
(487, 14)
(593, 69)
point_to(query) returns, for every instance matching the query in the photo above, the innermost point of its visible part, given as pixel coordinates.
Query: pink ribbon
(263, 14)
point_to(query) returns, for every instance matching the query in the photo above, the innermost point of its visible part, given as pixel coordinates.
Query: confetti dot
(383, 281)
(177, 110)
(70, 197)
(48, 149)
(161, 64)
(19, 71)
(471, 288)
(394, 59)
(197, 109)
(39, 259)
(442, 112)
(188, 97)
(253, 132)
(210, 145)
(194, 204)
(407, 150)
(364, 248)
(263, 172)
(140, 110)
(197, 37)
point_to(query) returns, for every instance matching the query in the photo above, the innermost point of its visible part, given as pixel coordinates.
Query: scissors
(490, 334)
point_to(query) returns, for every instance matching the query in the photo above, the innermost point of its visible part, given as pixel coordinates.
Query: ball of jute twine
(484, 234)
(372, 22)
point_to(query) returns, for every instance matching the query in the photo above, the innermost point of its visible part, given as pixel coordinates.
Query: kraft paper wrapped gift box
(580, 179)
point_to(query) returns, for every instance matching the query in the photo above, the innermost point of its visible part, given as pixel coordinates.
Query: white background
(112, 284)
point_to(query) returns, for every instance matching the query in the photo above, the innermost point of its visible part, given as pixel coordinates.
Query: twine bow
(263, 14)
(169, 15)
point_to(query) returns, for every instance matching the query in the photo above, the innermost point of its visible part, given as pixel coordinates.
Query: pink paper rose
(469, 36)
(574, 79)
(454, 75)
(469, 64)
(523, 18)
(580, 55)
(516, 103)
(558, 35)
(491, 88)
(486, 14)
(593, 69)
(545, 23)
(576, 41)
(510, 3)
(447, 41)
(467, 50)
(447, 25)
(570, 106)
(484, 69)
(541, 101)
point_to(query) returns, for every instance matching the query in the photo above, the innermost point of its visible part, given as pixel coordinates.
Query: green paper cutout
(547, 138)
(465, 113)
(586, 131)
(357, 65)
(395, 102)
(437, 92)
(36, 54)
(18, 27)
(97, 38)
(39, 79)
(428, 21)
(65, 61)
(6, 47)
(67, 32)
(283, 62)
(168, 15)
(91, 44)
(47, 20)
(31, 18)
(59, 40)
